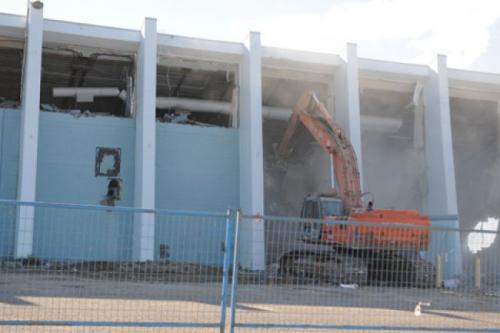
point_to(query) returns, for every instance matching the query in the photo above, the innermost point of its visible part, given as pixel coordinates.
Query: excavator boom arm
(331, 137)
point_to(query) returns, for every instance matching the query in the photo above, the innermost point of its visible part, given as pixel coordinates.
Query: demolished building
(100, 115)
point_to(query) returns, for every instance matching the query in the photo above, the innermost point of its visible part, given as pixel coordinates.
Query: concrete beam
(297, 75)
(251, 155)
(12, 25)
(71, 33)
(460, 78)
(286, 55)
(28, 147)
(347, 107)
(474, 94)
(367, 83)
(145, 142)
(442, 198)
(199, 49)
(391, 70)
(199, 44)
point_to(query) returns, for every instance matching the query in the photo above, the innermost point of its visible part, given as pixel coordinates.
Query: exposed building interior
(196, 93)
(307, 168)
(392, 150)
(237, 99)
(101, 77)
(11, 63)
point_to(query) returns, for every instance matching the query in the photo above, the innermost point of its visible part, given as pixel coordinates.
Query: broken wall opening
(85, 80)
(305, 171)
(196, 92)
(393, 150)
(476, 148)
(11, 65)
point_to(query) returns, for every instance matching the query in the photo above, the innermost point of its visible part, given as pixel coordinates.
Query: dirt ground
(39, 297)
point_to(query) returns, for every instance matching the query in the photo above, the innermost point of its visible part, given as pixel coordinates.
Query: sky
(467, 31)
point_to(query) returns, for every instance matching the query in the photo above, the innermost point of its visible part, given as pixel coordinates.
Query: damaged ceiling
(69, 68)
(11, 60)
(197, 84)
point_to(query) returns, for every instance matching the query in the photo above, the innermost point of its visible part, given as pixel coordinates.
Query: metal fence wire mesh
(289, 275)
(81, 276)
(347, 276)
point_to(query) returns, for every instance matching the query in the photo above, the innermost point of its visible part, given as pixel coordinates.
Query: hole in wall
(107, 162)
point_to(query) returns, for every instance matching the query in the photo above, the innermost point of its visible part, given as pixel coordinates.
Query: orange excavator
(364, 245)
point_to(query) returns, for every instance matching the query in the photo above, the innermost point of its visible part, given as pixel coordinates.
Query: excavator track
(423, 271)
(361, 267)
(322, 267)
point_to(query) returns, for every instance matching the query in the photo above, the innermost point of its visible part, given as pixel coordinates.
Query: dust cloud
(476, 147)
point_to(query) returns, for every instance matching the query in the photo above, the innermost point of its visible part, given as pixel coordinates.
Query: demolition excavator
(354, 242)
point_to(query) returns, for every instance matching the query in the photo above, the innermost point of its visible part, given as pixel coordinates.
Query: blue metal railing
(196, 242)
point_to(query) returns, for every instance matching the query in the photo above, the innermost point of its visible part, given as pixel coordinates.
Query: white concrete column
(442, 197)
(251, 155)
(30, 111)
(347, 109)
(145, 139)
(498, 129)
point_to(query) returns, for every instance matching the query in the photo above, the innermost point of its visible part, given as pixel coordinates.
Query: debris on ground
(9, 104)
(132, 271)
(349, 286)
(418, 308)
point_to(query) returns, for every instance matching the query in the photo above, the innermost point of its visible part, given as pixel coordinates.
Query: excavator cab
(318, 207)
(321, 206)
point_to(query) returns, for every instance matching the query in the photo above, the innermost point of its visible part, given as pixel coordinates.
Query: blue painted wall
(66, 161)
(9, 157)
(197, 168)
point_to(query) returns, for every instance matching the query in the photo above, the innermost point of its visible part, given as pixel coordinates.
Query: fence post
(228, 250)
(234, 281)
(439, 272)
(477, 272)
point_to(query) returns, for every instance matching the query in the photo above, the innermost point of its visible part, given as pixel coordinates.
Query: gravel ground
(63, 297)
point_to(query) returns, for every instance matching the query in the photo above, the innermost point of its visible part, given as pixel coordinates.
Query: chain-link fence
(83, 275)
(352, 276)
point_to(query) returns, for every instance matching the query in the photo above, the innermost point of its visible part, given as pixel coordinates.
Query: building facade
(100, 115)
